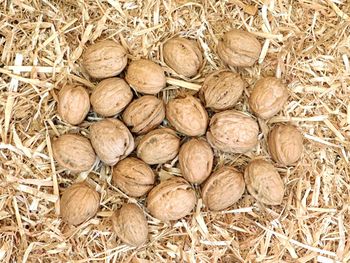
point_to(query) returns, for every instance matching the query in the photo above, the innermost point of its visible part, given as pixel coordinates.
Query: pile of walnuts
(112, 138)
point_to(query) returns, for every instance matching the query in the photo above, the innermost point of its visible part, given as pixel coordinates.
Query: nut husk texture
(145, 76)
(196, 160)
(171, 199)
(105, 59)
(158, 146)
(232, 131)
(183, 56)
(111, 140)
(221, 90)
(133, 177)
(73, 104)
(264, 182)
(111, 96)
(130, 225)
(79, 203)
(144, 114)
(239, 48)
(187, 115)
(223, 188)
(73, 152)
(285, 144)
(268, 97)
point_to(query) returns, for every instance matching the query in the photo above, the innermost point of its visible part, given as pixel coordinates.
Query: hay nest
(307, 43)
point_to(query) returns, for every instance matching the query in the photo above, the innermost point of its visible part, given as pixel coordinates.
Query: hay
(305, 42)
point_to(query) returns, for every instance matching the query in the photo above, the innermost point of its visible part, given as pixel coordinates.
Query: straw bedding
(305, 42)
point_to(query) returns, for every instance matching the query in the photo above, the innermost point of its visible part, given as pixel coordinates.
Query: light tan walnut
(268, 97)
(171, 199)
(111, 96)
(105, 59)
(73, 104)
(233, 131)
(144, 114)
(111, 140)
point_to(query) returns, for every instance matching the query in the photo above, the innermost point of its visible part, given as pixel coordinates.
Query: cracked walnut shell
(239, 48)
(133, 177)
(130, 225)
(73, 104)
(111, 96)
(268, 97)
(264, 182)
(144, 114)
(221, 90)
(73, 152)
(145, 76)
(233, 131)
(111, 140)
(171, 199)
(158, 146)
(105, 59)
(79, 203)
(285, 144)
(196, 160)
(183, 56)
(187, 115)
(223, 188)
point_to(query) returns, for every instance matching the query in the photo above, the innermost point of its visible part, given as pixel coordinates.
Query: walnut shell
(158, 146)
(239, 48)
(183, 56)
(111, 96)
(221, 90)
(79, 203)
(171, 199)
(111, 140)
(73, 152)
(285, 144)
(233, 131)
(268, 97)
(73, 104)
(133, 177)
(187, 115)
(145, 76)
(144, 114)
(223, 188)
(105, 59)
(264, 182)
(196, 160)
(130, 225)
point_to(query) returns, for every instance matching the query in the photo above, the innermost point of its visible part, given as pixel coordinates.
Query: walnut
(133, 177)
(111, 96)
(105, 59)
(196, 160)
(171, 199)
(145, 76)
(158, 146)
(268, 97)
(144, 114)
(111, 140)
(73, 104)
(73, 152)
(187, 115)
(239, 48)
(79, 203)
(233, 131)
(183, 56)
(130, 225)
(264, 182)
(285, 144)
(223, 188)
(221, 90)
